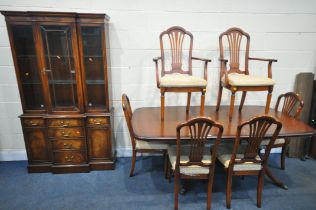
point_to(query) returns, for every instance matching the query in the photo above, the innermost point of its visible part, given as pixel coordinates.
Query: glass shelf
(95, 82)
(62, 82)
(31, 82)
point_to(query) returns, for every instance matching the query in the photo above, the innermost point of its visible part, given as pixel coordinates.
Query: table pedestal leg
(275, 180)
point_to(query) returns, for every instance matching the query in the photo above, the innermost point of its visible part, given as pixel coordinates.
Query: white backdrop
(283, 29)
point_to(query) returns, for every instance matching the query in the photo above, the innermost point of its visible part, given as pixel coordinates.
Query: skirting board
(15, 155)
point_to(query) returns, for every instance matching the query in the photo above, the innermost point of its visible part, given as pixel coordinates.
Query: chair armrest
(202, 59)
(223, 60)
(156, 59)
(269, 65)
(156, 65)
(223, 70)
(263, 59)
(206, 61)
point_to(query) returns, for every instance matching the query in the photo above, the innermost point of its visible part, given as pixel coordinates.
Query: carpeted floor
(148, 189)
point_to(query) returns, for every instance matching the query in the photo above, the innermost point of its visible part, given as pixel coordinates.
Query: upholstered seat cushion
(277, 141)
(182, 80)
(150, 145)
(236, 79)
(184, 158)
(224, 154)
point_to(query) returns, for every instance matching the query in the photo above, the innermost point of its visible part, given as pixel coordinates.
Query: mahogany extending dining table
(148, 126)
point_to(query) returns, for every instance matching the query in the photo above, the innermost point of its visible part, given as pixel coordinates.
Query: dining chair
(176, 67)
(292, 106)
(241, 158)
(192, 157)
(138, 145)
(237, 77)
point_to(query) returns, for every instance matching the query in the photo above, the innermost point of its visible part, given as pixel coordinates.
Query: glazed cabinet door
(61, 66)
(93, 62)
(27, 67)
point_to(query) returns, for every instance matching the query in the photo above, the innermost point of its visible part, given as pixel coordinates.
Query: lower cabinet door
(37, 146)
(99, 141)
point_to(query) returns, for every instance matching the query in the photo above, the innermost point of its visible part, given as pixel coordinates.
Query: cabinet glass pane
(27, 66)
(59, 66)
(94, 66)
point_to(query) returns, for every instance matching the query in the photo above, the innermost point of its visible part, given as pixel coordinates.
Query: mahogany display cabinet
(61, 65)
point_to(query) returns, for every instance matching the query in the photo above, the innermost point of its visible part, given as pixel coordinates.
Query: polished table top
(147, 124)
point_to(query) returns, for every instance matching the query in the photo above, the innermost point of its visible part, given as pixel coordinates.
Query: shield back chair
(235, 78)
(240, 159)
(195, 159)
(138, 145)
(292, 106)
(176, 66)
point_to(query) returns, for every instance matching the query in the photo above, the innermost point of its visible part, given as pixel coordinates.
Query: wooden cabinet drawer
(65, 122)
(69, 157)
(76, 144)
(65, 132)
(98, 121)
(35, 122)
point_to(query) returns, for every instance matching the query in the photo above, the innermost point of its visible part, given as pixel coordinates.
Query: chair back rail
(176, 36)
(127, 109)
(198, 129)
(257, 129)
(234, 38)
(292, 104)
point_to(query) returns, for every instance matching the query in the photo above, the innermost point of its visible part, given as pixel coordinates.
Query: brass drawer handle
(69, 159)
(62, 123)
(65, 134)
(67, 146)
(98, 123)
(33, 123)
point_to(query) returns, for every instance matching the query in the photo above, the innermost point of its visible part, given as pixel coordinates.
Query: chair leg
(243, 97)
(202, 102)
(176, 190)
(259, 188)
(162, 105)
(133, 163)
(188, 102)
(209, 191)
(232, 103)
(219, 97)
(283, 153)
(165, 164)
(268, 102)
(228, 190)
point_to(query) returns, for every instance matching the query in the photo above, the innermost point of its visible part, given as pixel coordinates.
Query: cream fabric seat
(182, 80)
(224, 154)
(152, 145)
(277, 141)
(184, 158)
(236, 79)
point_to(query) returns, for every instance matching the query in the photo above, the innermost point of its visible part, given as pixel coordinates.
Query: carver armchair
(176, 67)
(235, 78)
